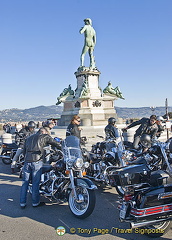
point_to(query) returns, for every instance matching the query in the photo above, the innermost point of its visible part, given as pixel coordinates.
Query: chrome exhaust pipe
(142, 224)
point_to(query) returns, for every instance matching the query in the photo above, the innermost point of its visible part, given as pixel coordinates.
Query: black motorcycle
(65, 181)
(8, 151)
(157, 157)
(147, 200)
(104, 157)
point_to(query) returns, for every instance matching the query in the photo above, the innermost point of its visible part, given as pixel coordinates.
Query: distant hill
(140, 112)
(41, 113)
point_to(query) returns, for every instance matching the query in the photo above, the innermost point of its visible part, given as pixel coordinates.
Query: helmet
(31, 124)
(145, 140)
(159, 118)
(47, 124)
(112, 120)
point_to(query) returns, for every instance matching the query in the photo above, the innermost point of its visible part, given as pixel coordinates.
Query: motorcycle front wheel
(157, 230)
(83, 206)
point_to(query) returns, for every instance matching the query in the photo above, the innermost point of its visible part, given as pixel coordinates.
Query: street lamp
(168, 124)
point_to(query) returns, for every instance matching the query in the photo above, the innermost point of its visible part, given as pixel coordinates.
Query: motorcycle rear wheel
(83, 206)
(161, 228)
(6, 161)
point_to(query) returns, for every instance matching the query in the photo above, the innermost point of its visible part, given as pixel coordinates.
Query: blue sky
(40, 48)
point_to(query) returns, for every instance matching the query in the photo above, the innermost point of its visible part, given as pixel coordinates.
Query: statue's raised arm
(89, 44)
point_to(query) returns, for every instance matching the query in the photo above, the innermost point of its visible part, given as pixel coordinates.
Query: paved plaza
(41, 223)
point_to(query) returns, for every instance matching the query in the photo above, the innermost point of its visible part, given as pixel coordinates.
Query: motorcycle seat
(11, 145)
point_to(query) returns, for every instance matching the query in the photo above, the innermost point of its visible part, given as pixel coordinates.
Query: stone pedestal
(94, 108)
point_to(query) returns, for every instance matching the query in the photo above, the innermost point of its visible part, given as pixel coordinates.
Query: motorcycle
(8, 151)
(157, 157)
(104, 157)
(65, 181)
(7, 154)
(147, 200)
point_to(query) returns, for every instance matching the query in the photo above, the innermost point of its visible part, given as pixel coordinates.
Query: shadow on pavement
(102, 224)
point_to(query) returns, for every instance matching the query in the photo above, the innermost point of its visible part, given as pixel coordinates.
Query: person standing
(33, 162)
(73, 128)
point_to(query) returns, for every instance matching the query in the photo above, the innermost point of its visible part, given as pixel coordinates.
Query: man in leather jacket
(147, 126)
(20, 140)
(111, 130)
(33, 151)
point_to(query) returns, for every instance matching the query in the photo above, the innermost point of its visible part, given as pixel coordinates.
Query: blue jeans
(33, 171)
(136, 142)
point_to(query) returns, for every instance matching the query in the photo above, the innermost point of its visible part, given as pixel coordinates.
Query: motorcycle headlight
(86, 164)
(78, 163)
(69, 162)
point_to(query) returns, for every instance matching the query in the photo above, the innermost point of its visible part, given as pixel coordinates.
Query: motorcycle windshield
(71, 141)
(110, 146)
(71, 147)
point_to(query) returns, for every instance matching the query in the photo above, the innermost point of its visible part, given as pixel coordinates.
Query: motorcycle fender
(5, 157)
(84, 182)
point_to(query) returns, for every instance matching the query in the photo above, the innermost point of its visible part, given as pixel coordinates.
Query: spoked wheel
(157, 230)
(84, 205)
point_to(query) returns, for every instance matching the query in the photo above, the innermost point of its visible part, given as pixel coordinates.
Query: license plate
(123, 211)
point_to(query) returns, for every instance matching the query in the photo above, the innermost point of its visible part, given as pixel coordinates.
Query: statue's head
(88, 20)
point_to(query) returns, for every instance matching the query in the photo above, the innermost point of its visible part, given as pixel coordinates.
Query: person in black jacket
(111, 130)
(73, 128)
(147, 126)
(33, 151)
(20, 140)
